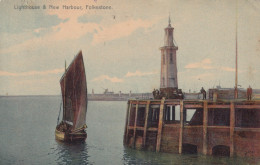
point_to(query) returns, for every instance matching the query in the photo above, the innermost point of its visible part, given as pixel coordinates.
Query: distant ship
(112, 96)
(107, 92)
(74, 95)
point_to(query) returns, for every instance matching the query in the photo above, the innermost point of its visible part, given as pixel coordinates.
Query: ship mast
(64, 98)
(236, 90)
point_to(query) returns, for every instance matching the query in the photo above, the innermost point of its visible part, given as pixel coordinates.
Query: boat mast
(236, 90)
(74, 92)
(64, 98)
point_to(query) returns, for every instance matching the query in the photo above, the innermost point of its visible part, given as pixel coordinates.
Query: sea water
(27, 126)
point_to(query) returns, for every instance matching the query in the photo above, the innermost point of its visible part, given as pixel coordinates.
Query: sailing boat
(74, 97)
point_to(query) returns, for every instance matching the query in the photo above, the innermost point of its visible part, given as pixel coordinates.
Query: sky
(121, 45)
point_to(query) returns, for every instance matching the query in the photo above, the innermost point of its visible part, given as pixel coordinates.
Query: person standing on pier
(203, 92)
(249, 93)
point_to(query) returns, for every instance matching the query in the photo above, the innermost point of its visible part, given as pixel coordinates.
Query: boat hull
(70, 137)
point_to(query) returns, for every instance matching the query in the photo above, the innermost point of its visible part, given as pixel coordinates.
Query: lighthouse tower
(168, 60)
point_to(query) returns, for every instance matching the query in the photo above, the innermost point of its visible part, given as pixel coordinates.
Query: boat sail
(74, 97)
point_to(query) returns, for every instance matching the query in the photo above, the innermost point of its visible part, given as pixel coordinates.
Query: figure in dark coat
(249, 93)
(203, 92)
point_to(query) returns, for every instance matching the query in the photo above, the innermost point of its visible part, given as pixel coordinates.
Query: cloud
(120, 80)
(228, 69)
(26, 21)
(139, 74)
(204, 64)
(121, 29)
(73, 30)
(89, 18)
(32, 73)
(106, 77)
(70, 30)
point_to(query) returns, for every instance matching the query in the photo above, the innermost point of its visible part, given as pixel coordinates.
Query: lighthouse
(168, 60)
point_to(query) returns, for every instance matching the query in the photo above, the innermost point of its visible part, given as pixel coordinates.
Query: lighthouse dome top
(169, 25)
(169, 39)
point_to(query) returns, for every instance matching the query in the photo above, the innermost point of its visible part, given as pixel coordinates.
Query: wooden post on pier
(232, 128)
(146, 122)
(181, 126)
(160, 124)
(205, 129)
(129, 106)
(136, 114)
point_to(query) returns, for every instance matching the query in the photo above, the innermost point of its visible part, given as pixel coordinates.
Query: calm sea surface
(27, 127)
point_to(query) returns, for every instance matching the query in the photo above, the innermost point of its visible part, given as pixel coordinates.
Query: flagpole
(236, 90)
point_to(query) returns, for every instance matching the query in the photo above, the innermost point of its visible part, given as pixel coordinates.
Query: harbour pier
(227, 127)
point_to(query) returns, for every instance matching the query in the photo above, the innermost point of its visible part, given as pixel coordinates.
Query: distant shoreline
(30, 95)
(98, 99)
